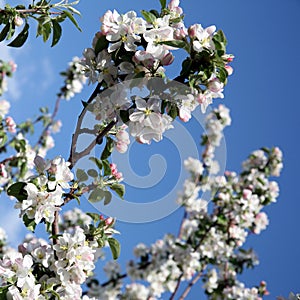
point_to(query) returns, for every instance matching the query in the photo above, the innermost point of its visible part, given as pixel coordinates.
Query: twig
(55, 229)
(190, 285)
(177, 287)
(78, 125)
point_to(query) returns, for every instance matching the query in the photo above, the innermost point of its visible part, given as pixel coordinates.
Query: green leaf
(115, 247)
(96, 195)
(93, 173)
(163, 3)
(109, 147)
(81, 175)
(149, 17)
(97, 161)
(46, 31)
(124, 115)
(107, 169)
(155, 13)
(72, 19)
(186, 67)
(4, 139)
(11, 30)
(74, 10)
(119, 189)
(56, 32)
(29, 223)
(3, 291)
(220, 37)
(101, 44)
(4, 32)
(17, 190)
(21, 38)
(173, 111)
(107, 197)
(94, 216)
(222, 74)
(175, 43)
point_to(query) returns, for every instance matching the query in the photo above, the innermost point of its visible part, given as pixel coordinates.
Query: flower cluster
(39, 269)
(132, 47)
(41, 196)
(74, 80)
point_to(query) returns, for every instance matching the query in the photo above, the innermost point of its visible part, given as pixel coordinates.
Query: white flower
(4, 107)
(60, 168)
(212, 282)
(261, 222)
(194, 166)
(147, 113)
(203, 37)
(40, 204)
(122, 29)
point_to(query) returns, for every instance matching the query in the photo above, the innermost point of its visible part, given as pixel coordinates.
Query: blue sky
(262, 95)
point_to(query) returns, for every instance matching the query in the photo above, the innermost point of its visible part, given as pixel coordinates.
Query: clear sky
(262, 95)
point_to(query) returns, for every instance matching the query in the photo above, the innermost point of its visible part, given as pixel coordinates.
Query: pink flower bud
(229, 70)
(11, 125)
(180, 33)
(109, 221)
(167, 59)
(192, 31)
(215, 85)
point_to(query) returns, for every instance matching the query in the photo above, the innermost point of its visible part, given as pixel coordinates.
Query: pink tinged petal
(154, 104)
(141, 104)
(153, 120)
(184, 114)
(211, 29)
(137, 116)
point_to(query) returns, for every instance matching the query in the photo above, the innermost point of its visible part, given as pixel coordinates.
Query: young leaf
(102, 43)
(72, 19)
(174, 43)
(222, 74)
(93, 173)
(17, 190)
(29, 223)
(81, 175)
(109, 147)
(149, 17)
(94, 216)
(119, 189)
(155, 13)
(96, 195)
(56, 32)
(21, 38)
(107, 170)
(74, 10)
(3, 291)
(163, 3)
(114, 247)
(97, 161)
(4, 32)
(107, 197)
